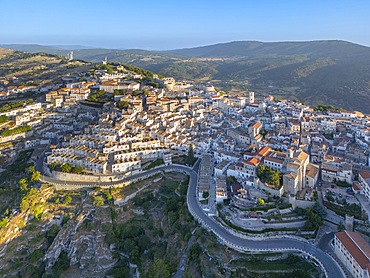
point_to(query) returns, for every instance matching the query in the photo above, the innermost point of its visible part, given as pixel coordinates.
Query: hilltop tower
(251, 97)
(70, 56)
(105, 61)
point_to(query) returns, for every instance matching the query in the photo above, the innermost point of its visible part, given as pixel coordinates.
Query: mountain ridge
(327, 71)
(264, 47)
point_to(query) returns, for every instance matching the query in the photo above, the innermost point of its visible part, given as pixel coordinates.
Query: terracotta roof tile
(357, 246)
(364, 175)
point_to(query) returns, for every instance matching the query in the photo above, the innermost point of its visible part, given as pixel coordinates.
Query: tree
(122, 104)
(37, 211)
(205, 194)
(23, 185)
(62, 264)
(66, 168)
(260, 201)
(98, 201)
(314, 220)
(78, 169)
(52, 233)
(319, 209)
(31, 169)
(108, 196)
(194, 252)
(54, 165)
(29, 200)
(67, 200)
(340, 226)
(3, 222)
(270, 176)
(3, 119)
(315, 196)
(263, 132)
(190, 158)
(35, 176)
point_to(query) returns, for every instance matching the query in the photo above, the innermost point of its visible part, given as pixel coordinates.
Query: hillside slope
(36, 68)
(332, 72)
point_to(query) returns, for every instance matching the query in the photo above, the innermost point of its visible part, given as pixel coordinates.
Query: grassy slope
(39, 67)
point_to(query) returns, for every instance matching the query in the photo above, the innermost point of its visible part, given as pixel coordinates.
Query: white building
(364, 178)
(354, 253)
(221, 189)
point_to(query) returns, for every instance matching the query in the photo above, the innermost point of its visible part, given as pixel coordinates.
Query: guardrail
(246, 249)
(67, 185)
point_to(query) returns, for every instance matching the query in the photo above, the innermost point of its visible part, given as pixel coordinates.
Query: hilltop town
(263, 160)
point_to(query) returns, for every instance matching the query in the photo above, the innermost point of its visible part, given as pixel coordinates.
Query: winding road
(330, 267)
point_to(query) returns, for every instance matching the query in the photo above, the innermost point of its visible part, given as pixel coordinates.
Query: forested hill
(253, 49)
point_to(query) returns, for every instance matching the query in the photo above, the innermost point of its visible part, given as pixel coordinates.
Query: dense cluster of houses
(237, 132)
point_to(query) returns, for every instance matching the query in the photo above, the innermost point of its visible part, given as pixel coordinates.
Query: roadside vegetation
(155, 225)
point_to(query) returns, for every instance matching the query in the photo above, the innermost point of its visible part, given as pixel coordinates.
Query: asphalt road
(331, 267)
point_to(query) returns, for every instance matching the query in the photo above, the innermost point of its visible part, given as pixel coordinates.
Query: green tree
(37, 210)
(31, 169)
(159, 269)
(194, 252)
(314, 220)
(190, 159)
(3, 222)
(122, 104)
(260, 201)
(205, 194)
(78, 169)
(98, 201)
(62, 264)
(16, 130)
(29, 200)
(263, 132)
(35, 176)
(340, 226)
(67, 200)
(108, 196)
(3, 119)
(52, 233)
(315, 196)
(23, 185)
(54, 166)
(67, 168)
(319, 209)
(269, 176)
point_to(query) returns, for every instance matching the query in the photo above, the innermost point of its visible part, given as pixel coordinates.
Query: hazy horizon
(80, 47)
(166, 25)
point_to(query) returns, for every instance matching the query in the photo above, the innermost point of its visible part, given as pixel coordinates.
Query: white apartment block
(89, 163)
(354, 253)
(143, 153)
(364, 178)
(221, 189)
(125, 165)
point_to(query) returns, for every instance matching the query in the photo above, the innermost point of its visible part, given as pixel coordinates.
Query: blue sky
(177, 24)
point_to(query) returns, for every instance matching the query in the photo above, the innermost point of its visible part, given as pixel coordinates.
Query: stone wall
(87, 178)
(270, 190)
(13, 137)
(300, 203)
